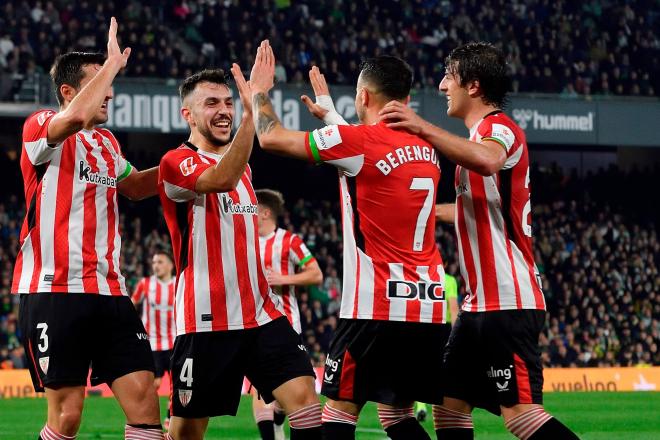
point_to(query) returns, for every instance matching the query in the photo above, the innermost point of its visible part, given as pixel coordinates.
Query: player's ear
(186, 114)
(473, 88)
(407, 100)
(68, 92)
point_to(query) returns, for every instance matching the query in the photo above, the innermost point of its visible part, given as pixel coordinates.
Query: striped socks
(452, 425)
(536, 424)
(391, 416)
(49, 434)
(143, 432)
(305, 423)
(338, 425)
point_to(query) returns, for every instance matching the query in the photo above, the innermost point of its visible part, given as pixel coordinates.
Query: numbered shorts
(208, 367)
(387, 362)
(162, 362)
(66, 334)
(493, 359)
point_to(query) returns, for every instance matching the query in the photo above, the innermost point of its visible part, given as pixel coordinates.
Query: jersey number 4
(423, 184)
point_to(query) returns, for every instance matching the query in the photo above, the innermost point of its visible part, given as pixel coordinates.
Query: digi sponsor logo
(409, 290)
(187, 166)
(230, 207)
(86, 175)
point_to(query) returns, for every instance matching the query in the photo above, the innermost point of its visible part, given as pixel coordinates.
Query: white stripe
(234, 306)
(367, 284)
(350, 253)
(397, 305)
(179, 307)
(200, 264)
(164, 310)
(473, 239)
(527, 299)
(151, 318)
(514, 159)
(28, 265)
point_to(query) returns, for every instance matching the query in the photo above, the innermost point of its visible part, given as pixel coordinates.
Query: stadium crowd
(572, 48)
(598, 252)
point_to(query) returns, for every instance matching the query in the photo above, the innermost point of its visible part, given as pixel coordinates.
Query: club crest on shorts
(184, 397)
(43, 363)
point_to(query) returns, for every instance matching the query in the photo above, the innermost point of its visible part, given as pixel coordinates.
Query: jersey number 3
(423, 184)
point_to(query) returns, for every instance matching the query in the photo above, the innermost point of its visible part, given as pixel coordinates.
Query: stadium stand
(566, 47)
(598, 251)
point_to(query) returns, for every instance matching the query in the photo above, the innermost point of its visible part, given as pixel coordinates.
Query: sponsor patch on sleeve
(503, 135)
(187, 166)
(327, 137)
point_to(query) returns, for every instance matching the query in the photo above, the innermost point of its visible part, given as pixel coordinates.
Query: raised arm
(485, 158)
(226, 174)
(85, 105)
(272, 135)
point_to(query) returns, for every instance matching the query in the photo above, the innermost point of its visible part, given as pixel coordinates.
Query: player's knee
(69, 421)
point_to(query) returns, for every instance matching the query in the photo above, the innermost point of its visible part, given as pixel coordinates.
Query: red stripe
(522, 380)
(111, 198)
(347, 379)
(465, 245)
(146, 311)
(90, 259)
(34, 363)
(485, 240)
(157, 313)
(18, 269)
(63, 215)
(170, 316)
(284, 267)
(35, 238)
(268, 254)
(516, 285)
(216, 274)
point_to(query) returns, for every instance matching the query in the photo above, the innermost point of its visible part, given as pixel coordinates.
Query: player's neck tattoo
(265, 118)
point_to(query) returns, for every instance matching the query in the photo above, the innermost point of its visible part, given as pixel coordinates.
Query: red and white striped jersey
(493, 225)
(220, 279)
(157, 298)
(282, 251)
(70, 238)
(388, 179)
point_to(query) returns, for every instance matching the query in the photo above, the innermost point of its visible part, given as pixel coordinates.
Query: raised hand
(262, 76)
(323, 103)
(114, 52)
(244, 90)
(398, 115)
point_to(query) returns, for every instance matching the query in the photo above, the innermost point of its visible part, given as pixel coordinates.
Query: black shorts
(162, 362)
(493, 359)
(64, 334)
(208, 367)
(392, 363)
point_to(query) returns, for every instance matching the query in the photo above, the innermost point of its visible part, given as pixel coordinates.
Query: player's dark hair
(68, 69)
(391, 76)
(273, 200)
(215, 76)
(483, 62)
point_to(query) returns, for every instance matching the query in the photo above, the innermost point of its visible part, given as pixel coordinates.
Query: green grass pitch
(591, 415)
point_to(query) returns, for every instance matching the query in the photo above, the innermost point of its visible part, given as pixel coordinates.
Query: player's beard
(213, 139)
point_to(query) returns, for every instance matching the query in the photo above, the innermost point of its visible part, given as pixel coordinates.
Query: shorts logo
(503, 373)
(302, 347)
(184, 397)
(43, 363)
(142, 336)
(331, 367)
(187, 166)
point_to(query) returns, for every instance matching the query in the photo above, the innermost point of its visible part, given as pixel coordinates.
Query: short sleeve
(338, 145)
(506, 137)
(140, 290)
(300, 254)
(35, 137)
(179, 170)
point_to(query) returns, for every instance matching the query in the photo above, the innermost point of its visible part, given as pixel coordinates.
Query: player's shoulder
(179, 153)
(500, 126)
(38, 118)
